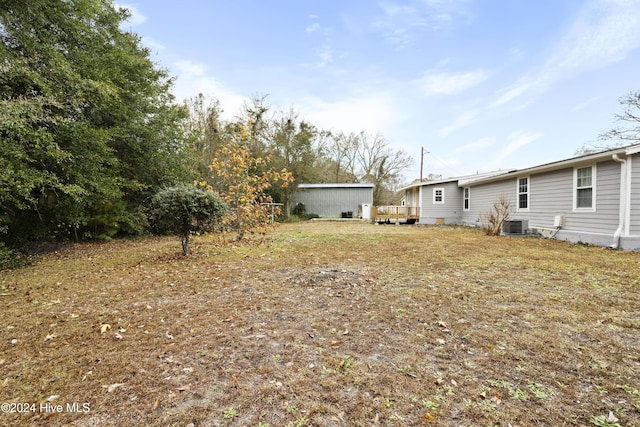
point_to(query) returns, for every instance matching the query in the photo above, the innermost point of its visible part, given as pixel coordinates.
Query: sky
(481, 85)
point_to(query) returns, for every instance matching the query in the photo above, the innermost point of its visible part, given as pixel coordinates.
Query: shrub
(299, 210)
(500, 212)
(183, 210)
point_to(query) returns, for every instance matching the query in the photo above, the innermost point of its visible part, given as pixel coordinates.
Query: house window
(523, 194)
(438, 196)
(467, 199)
(585, 188)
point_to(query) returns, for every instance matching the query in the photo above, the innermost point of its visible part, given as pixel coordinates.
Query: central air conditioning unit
(515, 227)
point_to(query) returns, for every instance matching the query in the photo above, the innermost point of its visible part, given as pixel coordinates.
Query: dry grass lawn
(324, 324)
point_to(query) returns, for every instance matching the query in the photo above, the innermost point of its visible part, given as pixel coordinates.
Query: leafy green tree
(184, 210)
(88, 128)
(292, 145)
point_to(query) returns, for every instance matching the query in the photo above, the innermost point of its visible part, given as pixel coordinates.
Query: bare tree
(380, 164)
(626, 133)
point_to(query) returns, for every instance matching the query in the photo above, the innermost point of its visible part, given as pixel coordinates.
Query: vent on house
(515, 226)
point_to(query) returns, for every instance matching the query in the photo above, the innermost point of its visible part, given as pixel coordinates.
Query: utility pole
(422, 153)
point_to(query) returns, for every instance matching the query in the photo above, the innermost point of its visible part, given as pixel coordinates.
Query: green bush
(299, 210)
(10, 259)
(184, 210)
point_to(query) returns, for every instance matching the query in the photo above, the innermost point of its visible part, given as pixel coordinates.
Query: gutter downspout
(623, 200)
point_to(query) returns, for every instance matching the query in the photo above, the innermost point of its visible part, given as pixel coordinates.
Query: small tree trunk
(185, 244)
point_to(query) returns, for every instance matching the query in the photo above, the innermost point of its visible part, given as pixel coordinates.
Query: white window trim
(435, 190)
(528, 193)
(593, 187)
(468, 190)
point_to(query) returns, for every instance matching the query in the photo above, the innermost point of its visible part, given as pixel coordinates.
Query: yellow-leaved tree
(243, 180)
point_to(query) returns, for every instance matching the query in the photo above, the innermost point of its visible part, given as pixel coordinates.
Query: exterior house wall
(634, 218)
(551, 194)
(447, 212)
(330, 202)
(412, 197)
(482, 197)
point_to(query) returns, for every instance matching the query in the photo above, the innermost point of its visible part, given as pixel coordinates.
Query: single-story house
(336, 200)
(593, 198)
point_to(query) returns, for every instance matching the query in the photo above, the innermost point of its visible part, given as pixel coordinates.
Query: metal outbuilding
(335, 200)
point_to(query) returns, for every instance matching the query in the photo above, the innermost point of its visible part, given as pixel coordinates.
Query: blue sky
(480, 84)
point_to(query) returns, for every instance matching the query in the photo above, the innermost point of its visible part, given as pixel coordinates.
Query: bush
(10, 259)
(497, 216)
(183, 210)
(299, 210)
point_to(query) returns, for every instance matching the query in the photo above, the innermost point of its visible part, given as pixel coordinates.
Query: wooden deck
(395, 214)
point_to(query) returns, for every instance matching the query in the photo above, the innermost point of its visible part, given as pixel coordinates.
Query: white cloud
(512, 92)
(519, 139)
(515, 142)
(584, 104)
(399, 20)
(189, 69)
(136, 17)
(606, 31)
(193, 79)
(463, 120)
(371, 113)
(447, 84)
(312, 28)
(480, 144)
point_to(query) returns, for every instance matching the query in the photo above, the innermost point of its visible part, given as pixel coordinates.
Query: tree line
(90, 132)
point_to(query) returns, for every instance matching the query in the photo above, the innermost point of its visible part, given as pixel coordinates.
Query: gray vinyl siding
(551, 194)
(634, 220)
(482, 198)
(331, 202)
(450, 210)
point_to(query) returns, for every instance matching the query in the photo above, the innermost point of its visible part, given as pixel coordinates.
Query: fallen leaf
(454, 383)
(49, 337)
(429, 417)
(496, 399)
(104, 328)
(612, 418)
(442, 324)
(112, 387)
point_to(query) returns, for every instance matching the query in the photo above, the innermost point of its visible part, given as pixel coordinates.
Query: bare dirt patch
(324, 324)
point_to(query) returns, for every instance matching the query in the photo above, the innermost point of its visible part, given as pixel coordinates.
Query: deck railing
(395, 213)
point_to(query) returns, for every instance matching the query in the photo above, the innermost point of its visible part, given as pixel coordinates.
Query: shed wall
(331, 202)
